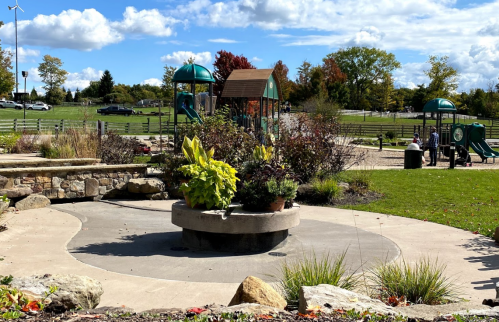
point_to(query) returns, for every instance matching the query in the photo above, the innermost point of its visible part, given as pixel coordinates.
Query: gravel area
(395, 159)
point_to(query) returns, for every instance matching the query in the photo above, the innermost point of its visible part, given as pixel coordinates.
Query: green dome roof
(439, 105)
(193, 72)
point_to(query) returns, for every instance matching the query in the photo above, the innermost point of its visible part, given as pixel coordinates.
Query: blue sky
(135, 39)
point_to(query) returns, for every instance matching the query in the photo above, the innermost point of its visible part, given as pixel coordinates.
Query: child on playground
(432, 146)
(417, 140)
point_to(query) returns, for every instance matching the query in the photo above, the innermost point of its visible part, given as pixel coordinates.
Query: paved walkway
(37, 242)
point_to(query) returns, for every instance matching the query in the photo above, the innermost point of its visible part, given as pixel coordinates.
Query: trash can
(413, 157)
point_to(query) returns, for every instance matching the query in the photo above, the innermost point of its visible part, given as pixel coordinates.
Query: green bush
(391, 135)
(311, 271)
(8, 140)
(171, 169)
(421, 283)
(325, 190)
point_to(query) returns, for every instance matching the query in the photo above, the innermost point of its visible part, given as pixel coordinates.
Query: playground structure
(253, 94)
(187, 102)
(463, 135)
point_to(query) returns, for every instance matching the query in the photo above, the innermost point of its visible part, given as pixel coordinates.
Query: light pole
(15, 14)
(25, 75)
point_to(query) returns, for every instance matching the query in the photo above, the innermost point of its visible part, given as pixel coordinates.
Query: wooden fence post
(148, 125)
(128, 126)
(62, 126)
(15, 125)
(39, 125)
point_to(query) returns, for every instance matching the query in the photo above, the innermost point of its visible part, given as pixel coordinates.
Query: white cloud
(23, 53)
(33, 75)
(256, 59)
(223, 41)
(145, 22)
(82, 79)
(367, 36)
(88, 29)
(179, 57)
(153, 82)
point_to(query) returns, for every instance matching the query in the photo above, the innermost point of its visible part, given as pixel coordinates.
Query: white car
(12, 104)
(38, 106)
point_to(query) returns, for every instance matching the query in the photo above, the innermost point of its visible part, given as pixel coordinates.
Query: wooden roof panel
(248, 83)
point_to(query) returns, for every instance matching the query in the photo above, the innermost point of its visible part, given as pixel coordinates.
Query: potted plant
(269, 188)
(261, 156)
(280, 191)
(211, 183)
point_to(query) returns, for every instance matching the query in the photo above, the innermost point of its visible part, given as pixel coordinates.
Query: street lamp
(15, 11)
(25, 75)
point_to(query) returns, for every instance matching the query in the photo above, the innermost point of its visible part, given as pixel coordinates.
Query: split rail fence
(41, 125)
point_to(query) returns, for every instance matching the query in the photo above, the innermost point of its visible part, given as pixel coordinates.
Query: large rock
(16, 192)
(33, 202)
(91, 187)
(254, 290)
(73, 290)
(6, 183)
(143, 185)
(330, 298)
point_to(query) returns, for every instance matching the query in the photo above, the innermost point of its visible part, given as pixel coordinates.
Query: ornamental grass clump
(211, 183)
(311, 271)
(420, 283)
(325, 190)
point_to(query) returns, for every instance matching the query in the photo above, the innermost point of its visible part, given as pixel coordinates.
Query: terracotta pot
(277, 205)
(187, 199)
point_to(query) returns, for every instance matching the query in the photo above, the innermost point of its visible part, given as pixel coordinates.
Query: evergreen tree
(69, 96)
(77, 97)
(34, 95)
(106, 84)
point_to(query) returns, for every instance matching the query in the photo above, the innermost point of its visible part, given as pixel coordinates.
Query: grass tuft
(311, 271)
(423, 282)
(325, 190)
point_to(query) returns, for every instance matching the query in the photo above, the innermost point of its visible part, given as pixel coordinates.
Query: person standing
(417, 140)
(432, 146)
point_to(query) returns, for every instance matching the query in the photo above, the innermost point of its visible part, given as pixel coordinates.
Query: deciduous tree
(225, 63)
(282, 71)
(167, 85)
(7, 80)
(52, 74)
(443, 78)
(363, 66)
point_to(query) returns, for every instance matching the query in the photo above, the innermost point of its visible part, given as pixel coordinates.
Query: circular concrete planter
(241, 231)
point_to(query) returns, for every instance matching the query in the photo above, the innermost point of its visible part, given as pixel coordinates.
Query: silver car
(11, 104)
(38, 106)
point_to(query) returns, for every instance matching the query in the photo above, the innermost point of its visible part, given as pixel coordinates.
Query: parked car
(11, 104)
(116, 110)
(38, 106)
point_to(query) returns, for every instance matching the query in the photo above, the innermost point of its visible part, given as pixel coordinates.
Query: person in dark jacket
(432, 146)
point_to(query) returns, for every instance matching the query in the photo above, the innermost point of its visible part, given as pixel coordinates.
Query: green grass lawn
(466, 199)
(77, 113)
(399, 121)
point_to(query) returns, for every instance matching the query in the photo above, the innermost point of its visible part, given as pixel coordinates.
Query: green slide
(192, 114)
(476, 139)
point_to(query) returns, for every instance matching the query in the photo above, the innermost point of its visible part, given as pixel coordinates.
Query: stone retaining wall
(69, 182)
(47, 163)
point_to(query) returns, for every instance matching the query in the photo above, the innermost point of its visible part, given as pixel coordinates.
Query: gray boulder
(16, 192)
(73, 291)
(6, 183)
(33, 202)
(147, 186)
(330, 298)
